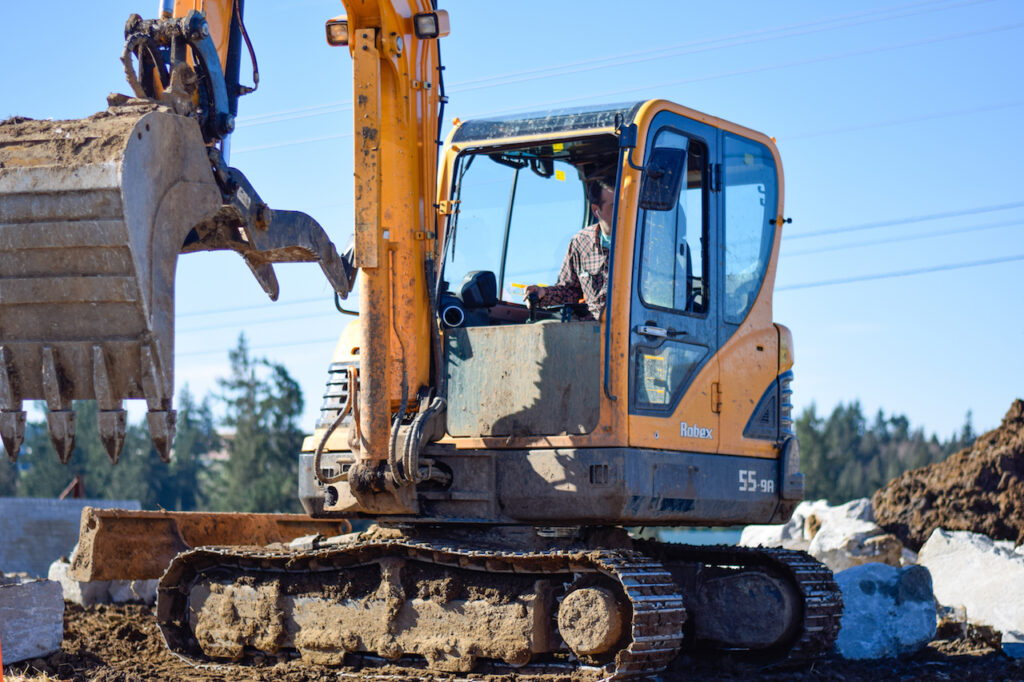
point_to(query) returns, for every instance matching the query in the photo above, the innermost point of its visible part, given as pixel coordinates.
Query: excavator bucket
(93, 214)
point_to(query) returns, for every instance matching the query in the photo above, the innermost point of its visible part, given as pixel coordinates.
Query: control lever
(531, 300)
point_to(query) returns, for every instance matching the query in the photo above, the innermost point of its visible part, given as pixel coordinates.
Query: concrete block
(31, 619)
(36, 532)
(101, 591)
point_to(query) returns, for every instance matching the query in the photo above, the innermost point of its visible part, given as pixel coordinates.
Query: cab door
(674, 313)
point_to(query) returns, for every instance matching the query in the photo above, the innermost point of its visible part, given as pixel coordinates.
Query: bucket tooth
(113, 425)
(12, 418)
(161, 430)
(62, 432)
(12, 431)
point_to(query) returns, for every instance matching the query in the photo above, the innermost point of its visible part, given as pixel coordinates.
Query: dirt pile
(980, 489)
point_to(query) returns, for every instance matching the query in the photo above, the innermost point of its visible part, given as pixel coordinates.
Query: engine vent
(772, 417)
(786, 405)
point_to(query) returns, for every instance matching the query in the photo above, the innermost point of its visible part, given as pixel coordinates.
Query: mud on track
(121, 643)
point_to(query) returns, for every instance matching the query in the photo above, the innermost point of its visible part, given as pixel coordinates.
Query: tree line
(843, 456)
(261, 405)
(846, 455)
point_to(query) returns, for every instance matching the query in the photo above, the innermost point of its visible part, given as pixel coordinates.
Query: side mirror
(662, 179)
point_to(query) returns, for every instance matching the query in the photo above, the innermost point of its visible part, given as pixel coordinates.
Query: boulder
(843, 543)
(888, 612)
(31, 619)
(794, 534)
(101, 591)
(984, 576)
(840, 537)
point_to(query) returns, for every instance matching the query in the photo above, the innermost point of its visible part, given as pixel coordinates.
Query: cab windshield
(517, 210)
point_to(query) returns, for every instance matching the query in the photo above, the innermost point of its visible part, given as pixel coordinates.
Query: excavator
(503, 448)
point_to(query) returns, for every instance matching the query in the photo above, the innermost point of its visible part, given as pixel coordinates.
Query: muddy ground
(121, 643)
(980, 489)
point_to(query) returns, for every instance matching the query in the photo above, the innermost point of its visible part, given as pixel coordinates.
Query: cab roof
(552, 121)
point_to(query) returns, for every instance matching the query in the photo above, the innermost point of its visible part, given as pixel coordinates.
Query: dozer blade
(118, 544)
(93, 214)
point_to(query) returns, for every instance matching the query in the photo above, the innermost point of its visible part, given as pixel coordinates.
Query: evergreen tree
(844, 458)
(263, 406)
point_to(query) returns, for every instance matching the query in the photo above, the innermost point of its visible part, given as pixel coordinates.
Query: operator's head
(601, 195)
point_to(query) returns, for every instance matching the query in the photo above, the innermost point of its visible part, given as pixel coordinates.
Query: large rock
(984, 576)
(101, 591)
(794, 534)
(31, 619)
(888, 612)
(840, 537)
(843, 543)
(980, 489)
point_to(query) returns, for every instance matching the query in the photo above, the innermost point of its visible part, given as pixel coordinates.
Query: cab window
(751, 202)
(674, 254)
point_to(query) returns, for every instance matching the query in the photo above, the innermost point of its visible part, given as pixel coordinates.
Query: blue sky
(899, 125)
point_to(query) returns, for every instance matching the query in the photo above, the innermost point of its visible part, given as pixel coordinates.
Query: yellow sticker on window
(557, 147)
(560, 175)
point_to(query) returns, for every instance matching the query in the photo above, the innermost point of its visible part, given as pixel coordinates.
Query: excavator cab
(666, 405)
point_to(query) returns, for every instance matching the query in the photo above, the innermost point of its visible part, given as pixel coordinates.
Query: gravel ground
(121, 643)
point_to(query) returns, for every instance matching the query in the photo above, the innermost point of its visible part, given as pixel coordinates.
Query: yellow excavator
(502, 447)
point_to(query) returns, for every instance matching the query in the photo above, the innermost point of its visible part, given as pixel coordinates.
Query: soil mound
(979, 489)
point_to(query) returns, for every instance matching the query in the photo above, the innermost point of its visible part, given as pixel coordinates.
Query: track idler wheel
(590, 621)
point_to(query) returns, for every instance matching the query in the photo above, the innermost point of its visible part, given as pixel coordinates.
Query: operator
(584, 273)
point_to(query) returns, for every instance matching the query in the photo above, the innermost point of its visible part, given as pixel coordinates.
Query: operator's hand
(534, 290)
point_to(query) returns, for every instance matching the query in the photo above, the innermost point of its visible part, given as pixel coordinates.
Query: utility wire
(288, 344)
(772, 67)
(221, 311)
(901, 121)
(332, 313)
(900, 273)
(734, 40)
(904, 221)
(687, 81)
(906, 238)
(705, 46)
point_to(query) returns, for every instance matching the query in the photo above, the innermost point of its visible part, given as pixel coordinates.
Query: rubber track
(658, 611)
(822, 600)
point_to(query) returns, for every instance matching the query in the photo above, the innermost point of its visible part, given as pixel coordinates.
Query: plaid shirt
(584, 274)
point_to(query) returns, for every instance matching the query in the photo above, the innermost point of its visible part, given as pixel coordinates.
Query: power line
(288, 344)
(773, 67)
(902, 121)
(904, 221)
(901, 273)
(250, 323)
(694, 79)
(221, 311)
(708, 45)
(906, 238)
(734, 40)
